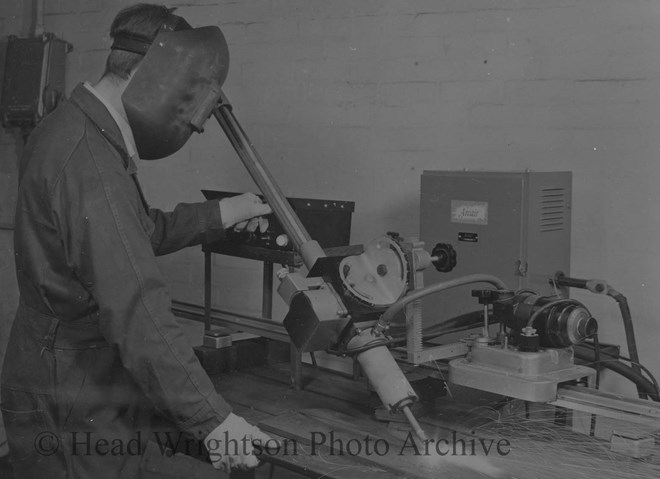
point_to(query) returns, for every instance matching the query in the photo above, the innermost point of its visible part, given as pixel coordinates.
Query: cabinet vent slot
(553, 209)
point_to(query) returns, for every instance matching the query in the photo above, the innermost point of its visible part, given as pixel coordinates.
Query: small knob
(529, 340)
(443, 257)
(528, 332)
(282, 240)
(485, 296)
(490, 296)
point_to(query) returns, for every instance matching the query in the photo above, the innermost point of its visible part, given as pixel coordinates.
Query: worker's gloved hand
(252, 225)
(237, 210)
(230, 445)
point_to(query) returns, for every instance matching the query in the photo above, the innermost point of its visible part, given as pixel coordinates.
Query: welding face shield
(175, 88)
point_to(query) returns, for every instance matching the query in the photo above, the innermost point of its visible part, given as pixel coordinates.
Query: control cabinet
(514, 225)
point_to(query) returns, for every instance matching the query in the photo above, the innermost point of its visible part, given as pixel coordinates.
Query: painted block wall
(12, 22)
(353, 100)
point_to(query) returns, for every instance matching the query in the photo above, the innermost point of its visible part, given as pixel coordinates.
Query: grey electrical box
(514, 225)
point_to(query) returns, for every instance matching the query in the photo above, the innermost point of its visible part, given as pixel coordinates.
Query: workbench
(337, 405)
(332, 426)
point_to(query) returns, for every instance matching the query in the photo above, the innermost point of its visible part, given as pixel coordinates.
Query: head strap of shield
(140, 44)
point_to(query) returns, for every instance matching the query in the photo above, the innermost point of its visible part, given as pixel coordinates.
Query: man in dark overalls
(95, 356)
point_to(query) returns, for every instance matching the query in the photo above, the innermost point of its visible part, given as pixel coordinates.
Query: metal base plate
(509, 372)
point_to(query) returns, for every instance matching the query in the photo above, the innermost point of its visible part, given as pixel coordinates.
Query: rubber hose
(631, 342)
(396, 307)
(624, 370)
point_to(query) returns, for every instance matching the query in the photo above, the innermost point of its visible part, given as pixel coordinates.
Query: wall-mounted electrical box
(514, 225)
(33, 82)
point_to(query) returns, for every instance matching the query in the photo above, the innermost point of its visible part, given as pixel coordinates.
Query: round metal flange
(379, 276)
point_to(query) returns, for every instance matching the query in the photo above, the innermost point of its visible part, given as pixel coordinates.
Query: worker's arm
(188, 224)
(105, 235)
(196, 223)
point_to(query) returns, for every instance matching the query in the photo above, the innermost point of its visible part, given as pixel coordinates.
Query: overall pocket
(34, 449)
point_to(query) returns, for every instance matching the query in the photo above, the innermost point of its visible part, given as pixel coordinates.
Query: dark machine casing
(316, 319)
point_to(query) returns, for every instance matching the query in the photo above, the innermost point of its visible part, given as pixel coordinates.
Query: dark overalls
(95, 355)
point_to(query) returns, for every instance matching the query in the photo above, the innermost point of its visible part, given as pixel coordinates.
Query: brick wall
(352, 100)
(12, 21)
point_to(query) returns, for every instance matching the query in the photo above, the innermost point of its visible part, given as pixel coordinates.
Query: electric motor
(558, 322)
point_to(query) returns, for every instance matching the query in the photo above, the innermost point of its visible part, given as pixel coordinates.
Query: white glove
(252, 225)
(230, 444)
(237, 210)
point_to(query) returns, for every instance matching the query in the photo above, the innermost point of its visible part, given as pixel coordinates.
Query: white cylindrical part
(386, 378)
(310, 252)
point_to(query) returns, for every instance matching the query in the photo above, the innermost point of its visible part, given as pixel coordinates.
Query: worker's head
(133, 30)
(169, 73)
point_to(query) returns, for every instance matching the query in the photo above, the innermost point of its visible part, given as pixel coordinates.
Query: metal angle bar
(242, 322)
(445, 351)
(609, 405)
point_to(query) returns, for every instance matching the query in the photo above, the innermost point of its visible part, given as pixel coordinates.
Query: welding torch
(320, 302)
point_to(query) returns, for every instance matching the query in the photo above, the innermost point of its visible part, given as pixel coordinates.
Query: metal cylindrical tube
(485, 320)
(310, 252)
(383, 372)
(561, 280)
(386, 377)
(419, 432)
(264, 180)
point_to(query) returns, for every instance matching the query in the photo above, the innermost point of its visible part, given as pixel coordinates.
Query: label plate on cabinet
(469, 212)
(468, 237)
